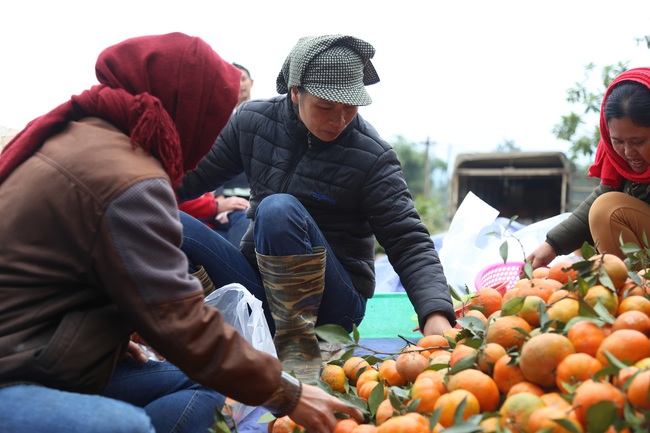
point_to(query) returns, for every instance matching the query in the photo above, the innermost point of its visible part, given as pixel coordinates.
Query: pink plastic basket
(496, 275)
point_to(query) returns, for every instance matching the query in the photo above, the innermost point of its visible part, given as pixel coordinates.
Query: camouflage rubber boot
(294, 288)
(204, 278)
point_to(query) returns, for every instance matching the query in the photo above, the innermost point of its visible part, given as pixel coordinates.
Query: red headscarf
(172, 94)
(608, 165)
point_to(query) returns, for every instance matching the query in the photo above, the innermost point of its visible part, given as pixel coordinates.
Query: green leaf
(568, 425)
(464, 364)
(333, 334)
(460, 411)
(471, 322)
(513, 306)
(615, 361)
(600, 416)
(528, 270)
(265, 418)
(376, 397)
(603, 312)
(453, 294)
(355, 401)
(503, 251)
(220, 425)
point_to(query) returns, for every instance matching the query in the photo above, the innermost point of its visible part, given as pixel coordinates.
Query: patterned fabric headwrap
(609, 166)
(333, 67)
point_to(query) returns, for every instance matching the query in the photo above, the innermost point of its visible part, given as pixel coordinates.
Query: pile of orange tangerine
(566, 350)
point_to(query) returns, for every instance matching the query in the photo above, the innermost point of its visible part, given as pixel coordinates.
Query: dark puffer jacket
(353, 187)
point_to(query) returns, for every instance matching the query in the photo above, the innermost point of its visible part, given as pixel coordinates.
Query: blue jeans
(140, 398)
(283, 227)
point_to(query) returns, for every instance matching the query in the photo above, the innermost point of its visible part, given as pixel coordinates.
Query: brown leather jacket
(89, 252)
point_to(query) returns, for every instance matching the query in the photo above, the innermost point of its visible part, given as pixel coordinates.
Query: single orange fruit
(563, 310)
(510, 294)
(576, 368)
(410, 364)
(586, 336)
(448, 403)
(440, 358)
(353, 367)
(605, 296)
(632, 319)
(420, 419)
(613, 266)
(541, 272)
(555, 399)
(546, 419)
(451, 333)
(478, 383)
(365, 428)
(345, 425)
(487, 300)
(432, 343)
(488, 355)
(426, 391)
(388, 372)
(516, 410)
(561, 294)
(402, 424)
(635, 302)
(367, 389)
(334, 376)
(530, 310)
(590, 392)
(525, 387)
(385, 410)
(367, 375)
(285, 425)
(461, 351)
(437, 377)
(508, 331)
(476, 313)
(624, 374)
(540, 356)
(561, 271)
(625, 345)
(506, 375)
(638, 390)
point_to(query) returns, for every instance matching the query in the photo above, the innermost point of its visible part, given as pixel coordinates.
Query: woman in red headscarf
(619, 208)
(90, 253)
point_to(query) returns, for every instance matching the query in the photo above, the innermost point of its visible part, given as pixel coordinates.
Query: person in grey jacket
(323, 184)
(619, 208)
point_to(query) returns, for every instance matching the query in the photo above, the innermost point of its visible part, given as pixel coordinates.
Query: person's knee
(603, 207)
(275, 204)
(274, 214)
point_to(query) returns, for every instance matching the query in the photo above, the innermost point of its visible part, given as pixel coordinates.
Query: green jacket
(569, 235)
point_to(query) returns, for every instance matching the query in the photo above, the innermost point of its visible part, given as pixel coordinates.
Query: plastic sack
(244, 312)
(475, 237)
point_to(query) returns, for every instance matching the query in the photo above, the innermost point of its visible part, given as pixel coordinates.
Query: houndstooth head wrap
(331, 67)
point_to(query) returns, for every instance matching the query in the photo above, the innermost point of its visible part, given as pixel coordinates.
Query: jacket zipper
(294, 163)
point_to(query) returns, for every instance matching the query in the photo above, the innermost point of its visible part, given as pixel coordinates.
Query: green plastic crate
(389, 315)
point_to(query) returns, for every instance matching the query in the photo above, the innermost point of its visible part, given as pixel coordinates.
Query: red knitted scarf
(172, 94)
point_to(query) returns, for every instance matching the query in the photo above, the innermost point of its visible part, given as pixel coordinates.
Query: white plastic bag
(467, 247)
(244, 312)
(474, 239)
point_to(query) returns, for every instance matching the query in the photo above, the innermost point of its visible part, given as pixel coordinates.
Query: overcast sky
(467, 74)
